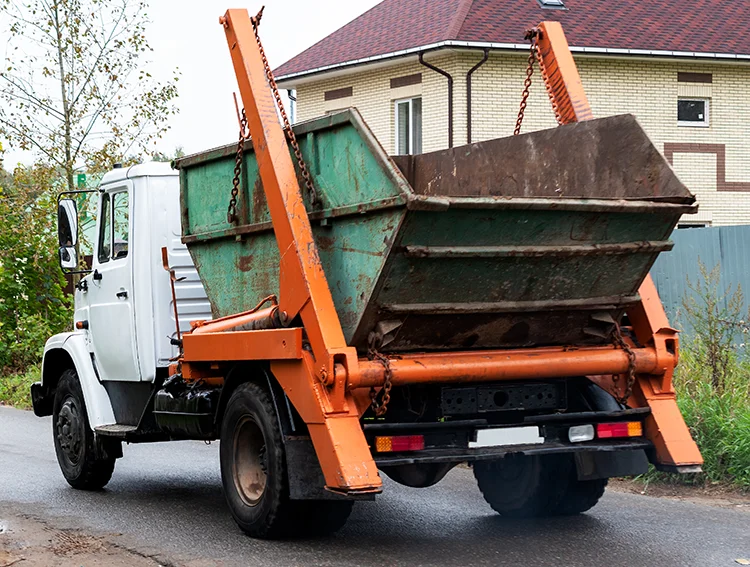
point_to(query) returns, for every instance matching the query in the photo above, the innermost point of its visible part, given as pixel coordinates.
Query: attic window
(558, 4)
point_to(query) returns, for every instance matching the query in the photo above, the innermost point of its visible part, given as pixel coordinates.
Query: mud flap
(599, 464)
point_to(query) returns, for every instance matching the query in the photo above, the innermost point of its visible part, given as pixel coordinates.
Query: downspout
(450, 95)
(468, 93)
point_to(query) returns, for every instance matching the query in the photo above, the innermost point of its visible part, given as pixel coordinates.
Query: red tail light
(622, 429)
(395, 444)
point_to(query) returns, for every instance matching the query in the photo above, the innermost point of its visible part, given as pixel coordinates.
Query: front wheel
(75, 443)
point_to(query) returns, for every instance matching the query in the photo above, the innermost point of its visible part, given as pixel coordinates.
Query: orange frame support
(328, 384)
(665, 426)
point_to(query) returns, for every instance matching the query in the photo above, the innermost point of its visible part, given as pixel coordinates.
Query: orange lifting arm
(665, 426)
(321, 398)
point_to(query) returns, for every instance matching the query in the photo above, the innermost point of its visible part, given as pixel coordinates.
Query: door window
(105, 232)
(121, 223)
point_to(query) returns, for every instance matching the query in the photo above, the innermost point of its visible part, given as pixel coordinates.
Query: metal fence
(727, 246)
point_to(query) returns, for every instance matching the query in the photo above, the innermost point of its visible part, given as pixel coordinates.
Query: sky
(186, 34)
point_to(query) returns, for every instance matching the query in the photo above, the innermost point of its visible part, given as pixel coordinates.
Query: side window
(121, 222)
(105, 231)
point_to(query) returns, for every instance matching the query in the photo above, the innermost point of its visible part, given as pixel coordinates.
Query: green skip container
(533, 240)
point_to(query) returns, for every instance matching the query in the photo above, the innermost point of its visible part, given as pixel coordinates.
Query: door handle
(122, 294)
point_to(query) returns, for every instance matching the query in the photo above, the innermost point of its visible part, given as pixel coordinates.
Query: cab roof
(148, 169)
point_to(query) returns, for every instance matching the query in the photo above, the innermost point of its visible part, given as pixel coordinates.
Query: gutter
(519, 47)
(468, 92)
(450, 94)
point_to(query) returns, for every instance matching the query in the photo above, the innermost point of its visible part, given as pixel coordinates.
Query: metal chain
(232, 210)
(380, 408)
(620, 342)
(532, 36)
(282, 111)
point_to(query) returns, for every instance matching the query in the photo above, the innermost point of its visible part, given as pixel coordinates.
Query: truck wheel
(580, 495)
(253, 465)
(75, 441)
(520, 486)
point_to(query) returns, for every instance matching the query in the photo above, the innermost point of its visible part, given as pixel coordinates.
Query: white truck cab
(124, 325)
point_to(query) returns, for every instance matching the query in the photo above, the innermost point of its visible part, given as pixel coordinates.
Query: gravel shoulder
(26, 541)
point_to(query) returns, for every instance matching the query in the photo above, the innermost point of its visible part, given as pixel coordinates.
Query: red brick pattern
(720, 150)
(709, 26)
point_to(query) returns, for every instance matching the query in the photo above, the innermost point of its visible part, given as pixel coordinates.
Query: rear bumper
(455, 455)
(449, 442)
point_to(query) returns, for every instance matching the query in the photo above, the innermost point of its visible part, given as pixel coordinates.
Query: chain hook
(532, 35)
(620, 342)
(282, 111)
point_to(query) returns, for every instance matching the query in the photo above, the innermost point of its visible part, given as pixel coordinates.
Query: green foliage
(33, 305)
(15, 389)
(713, 384)
(716, 317)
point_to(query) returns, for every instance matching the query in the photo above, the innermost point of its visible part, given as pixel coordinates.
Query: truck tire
(521, 486)
(254, 475)
(580, 495)
(75, 442)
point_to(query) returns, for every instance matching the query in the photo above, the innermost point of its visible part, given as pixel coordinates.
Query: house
(429, 74)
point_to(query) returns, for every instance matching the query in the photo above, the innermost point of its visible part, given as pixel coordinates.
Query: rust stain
(245, 263)
(326, 242)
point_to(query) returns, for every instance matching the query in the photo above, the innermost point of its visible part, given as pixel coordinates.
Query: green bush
(713, 383)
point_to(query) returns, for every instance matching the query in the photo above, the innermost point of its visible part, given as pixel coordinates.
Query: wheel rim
(249, 465)
(69, 428)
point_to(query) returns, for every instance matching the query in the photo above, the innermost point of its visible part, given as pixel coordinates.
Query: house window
(409, 126)
(559, 4)
(692, 112)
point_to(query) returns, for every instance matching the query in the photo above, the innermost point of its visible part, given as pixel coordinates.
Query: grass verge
(15, 388)
(718, 420)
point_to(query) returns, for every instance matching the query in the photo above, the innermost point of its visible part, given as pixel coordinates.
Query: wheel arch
(68, 351)
(260, 374)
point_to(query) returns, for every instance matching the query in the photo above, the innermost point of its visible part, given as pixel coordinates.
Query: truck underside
(488, 304)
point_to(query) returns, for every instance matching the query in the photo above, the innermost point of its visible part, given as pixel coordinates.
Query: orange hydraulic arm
(321, 397)
(665, 426)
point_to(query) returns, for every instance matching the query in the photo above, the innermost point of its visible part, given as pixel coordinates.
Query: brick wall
(713, 162)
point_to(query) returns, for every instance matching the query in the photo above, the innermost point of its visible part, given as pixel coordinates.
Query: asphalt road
(166, 498)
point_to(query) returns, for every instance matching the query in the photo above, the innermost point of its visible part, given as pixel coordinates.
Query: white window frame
(707, 115)
(410, 100)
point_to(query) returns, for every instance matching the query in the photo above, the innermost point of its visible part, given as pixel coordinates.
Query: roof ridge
(458, 19)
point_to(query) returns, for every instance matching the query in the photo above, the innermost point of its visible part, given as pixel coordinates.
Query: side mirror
(68, 258)
(67, 224)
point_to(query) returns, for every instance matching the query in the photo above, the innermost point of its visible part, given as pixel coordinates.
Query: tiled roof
(704, 26)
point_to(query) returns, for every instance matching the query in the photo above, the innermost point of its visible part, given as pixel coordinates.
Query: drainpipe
(450, 95)
(468, 93)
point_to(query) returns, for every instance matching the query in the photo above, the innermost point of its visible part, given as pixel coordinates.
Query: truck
(330, 313)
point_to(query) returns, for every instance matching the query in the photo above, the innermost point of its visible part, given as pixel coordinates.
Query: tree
(73, 88)
(33, 305)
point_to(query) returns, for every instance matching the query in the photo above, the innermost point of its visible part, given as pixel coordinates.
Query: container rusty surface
(539, 239)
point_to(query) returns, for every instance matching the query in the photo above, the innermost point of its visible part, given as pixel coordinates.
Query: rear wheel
(520, 486)
(254, 474)
(536, 486)
(82, 465)
(580, 495)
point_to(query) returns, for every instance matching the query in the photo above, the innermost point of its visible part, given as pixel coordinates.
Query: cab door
(111, 300)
